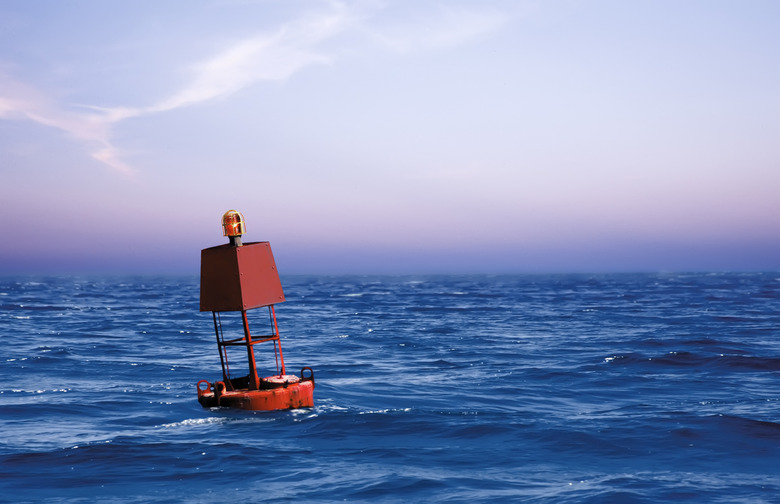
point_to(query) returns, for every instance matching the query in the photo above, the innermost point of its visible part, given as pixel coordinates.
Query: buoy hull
(291, 396)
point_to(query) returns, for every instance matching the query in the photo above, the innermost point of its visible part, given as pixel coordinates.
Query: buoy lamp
(237, 277)
(233, 226)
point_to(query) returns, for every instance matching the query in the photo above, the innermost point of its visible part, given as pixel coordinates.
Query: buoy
(237, 277)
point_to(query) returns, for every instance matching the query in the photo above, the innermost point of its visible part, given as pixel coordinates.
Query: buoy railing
(248, 341)
(243, 341)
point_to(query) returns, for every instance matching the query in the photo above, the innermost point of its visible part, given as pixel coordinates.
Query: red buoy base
(276, 393)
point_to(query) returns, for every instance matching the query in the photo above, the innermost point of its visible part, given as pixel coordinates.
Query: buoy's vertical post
(225, 376)
(254, 380)
(278, 341)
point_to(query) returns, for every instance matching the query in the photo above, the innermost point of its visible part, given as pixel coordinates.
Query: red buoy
(236, 277)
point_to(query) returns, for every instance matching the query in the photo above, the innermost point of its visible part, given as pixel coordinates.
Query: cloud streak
(22, 102)
(274, 56)
(267, 57)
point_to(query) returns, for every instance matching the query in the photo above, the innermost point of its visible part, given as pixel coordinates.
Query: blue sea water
(639, 388)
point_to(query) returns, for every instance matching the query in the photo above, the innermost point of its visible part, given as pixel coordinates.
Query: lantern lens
(233, 223)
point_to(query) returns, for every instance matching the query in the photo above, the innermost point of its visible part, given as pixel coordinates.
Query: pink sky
(405, 138)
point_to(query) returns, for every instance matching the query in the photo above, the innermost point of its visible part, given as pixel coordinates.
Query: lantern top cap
(233, 224)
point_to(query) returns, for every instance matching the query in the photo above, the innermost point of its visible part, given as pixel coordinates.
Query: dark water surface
(559, 389)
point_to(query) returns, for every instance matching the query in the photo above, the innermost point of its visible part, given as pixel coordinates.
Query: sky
(366, 136)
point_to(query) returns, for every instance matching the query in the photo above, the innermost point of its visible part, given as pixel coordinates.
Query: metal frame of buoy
(237, 277)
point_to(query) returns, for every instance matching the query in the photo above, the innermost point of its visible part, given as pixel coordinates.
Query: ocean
(635, 388)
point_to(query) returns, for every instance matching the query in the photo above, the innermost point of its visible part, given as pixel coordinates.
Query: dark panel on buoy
(238, 277)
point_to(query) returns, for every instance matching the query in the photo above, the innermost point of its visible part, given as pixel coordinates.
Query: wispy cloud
(23, 102)
(267, 57)
(274, 56)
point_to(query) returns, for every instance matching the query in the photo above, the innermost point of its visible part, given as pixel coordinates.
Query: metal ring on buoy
(307, 378)
(202, 391)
